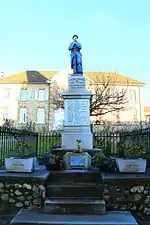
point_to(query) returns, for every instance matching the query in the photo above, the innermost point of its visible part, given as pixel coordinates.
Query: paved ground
(5, 219)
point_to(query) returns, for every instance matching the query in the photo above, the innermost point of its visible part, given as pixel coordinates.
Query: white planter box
(131, 165)
(21, 165)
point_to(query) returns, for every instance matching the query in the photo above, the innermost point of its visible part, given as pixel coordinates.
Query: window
(4, 115)
(24, 95)
(6, 93)
(23, 115)
(41, 115)
(41, 95)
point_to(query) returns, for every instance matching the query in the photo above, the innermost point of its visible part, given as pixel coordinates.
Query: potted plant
(131, 157)
(99, 161)
(53, 162)
(22, 159)
(79, 149)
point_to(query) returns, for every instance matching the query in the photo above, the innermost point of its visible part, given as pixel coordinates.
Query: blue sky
(115, 35)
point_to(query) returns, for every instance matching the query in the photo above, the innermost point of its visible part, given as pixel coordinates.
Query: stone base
(76, 83)
(69, 140)
(77, 160)
(75, 177)
(36, 217)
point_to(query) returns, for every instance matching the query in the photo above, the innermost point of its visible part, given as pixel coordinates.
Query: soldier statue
(76, 57)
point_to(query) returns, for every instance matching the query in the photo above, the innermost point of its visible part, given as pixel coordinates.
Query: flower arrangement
(129, 149)
(22, 150)
(98, 159)
(53, 162)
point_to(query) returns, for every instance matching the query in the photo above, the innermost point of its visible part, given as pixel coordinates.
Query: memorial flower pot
(26, 165)
(53, 162)
(23, 159)
(131, 165)
(131, 157)
(51, 166)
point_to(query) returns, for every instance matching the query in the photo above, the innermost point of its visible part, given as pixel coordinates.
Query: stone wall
(18, 190)
(128, 193)
(22, 195)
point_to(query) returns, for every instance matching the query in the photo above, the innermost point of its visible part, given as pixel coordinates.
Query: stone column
(77, 114)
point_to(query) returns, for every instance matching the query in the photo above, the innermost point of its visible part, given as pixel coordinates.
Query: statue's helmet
(75, 37)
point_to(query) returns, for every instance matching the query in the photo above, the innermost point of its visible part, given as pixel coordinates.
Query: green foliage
(129, 149)
(22, 150)
(53, 161)
(24, 143)
(98, 159)
(78, 143)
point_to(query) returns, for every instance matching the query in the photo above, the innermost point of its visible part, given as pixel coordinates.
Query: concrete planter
(26, 165)
(131, 165)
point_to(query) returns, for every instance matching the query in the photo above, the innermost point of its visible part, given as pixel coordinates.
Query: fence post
(36, 135)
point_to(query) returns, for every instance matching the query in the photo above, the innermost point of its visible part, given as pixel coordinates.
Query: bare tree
(57, 100)
(107, 98)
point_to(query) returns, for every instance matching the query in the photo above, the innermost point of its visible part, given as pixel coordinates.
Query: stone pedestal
(77, 114)
(77, 160)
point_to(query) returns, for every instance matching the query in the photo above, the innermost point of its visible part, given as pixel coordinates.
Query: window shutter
(36, 95)
(41, 115)
(29, 95)
(46, 94)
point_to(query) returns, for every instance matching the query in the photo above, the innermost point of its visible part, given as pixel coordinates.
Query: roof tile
(41, 77)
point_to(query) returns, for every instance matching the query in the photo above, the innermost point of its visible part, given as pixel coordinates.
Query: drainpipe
(48, 107)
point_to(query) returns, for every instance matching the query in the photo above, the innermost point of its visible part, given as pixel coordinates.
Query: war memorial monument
(75, 194)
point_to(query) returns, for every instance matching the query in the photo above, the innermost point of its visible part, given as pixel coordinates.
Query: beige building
(134, 109)
(147, 114)
(27, 97)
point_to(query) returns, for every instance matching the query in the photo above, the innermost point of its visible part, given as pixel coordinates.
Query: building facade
(28, 97)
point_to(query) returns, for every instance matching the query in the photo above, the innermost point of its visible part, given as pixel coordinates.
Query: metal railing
(43, 143)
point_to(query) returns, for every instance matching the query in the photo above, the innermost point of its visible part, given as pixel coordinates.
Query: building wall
(9, 101)
(10, 106)
(33, 104)
(133, 109)
(147, 114)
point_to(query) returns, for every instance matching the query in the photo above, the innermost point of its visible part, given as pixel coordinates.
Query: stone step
(75, 190)
(30, 217)
(77, 206)
(75, 176)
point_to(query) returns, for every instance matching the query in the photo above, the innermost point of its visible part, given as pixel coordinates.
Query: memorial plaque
(77, 160)
(77, 82)
(77, 112)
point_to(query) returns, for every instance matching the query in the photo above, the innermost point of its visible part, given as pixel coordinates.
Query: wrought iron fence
(9, 139)
(105, 141)
(48, 141)
(43, 143)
